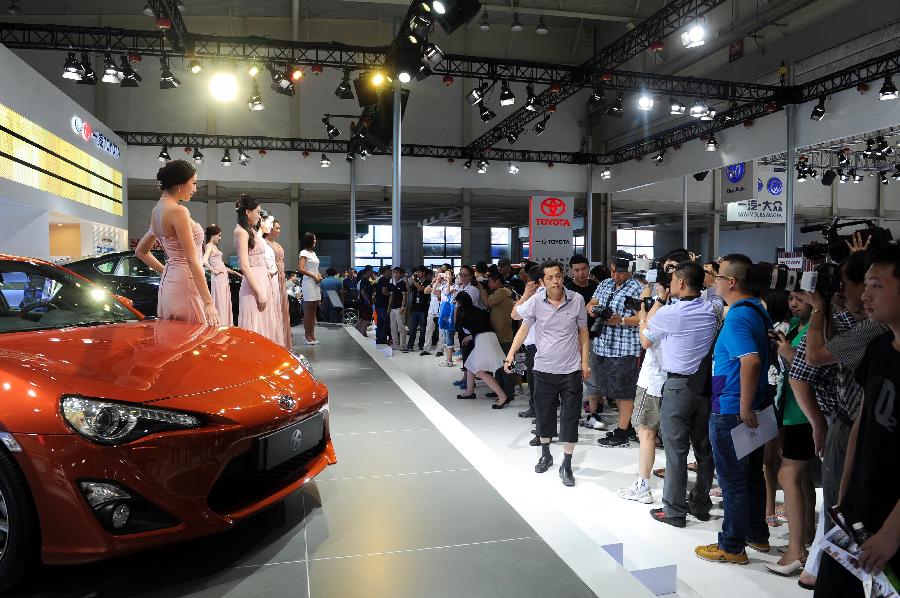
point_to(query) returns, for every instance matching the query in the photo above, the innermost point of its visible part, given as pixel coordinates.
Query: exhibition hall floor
(402, 514)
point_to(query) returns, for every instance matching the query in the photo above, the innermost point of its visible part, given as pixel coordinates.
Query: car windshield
(40, 297)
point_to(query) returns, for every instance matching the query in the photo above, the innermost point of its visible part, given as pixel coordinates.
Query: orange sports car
(119, 433)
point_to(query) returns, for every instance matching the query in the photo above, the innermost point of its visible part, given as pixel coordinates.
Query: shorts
(798, 443)
(646, 410)
(447, 336)
(589, 387)
(615, 377)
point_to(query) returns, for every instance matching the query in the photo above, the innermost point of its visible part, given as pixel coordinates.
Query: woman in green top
(797, 449)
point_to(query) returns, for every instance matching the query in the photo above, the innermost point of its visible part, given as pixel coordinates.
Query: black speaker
(458, 13)
(701, 175)
(380, 131)
(828, 177)
(366, 93)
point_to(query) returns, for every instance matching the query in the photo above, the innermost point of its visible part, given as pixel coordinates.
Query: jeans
(743, 487)
(417, 323)
(383, 325)
(684, 421)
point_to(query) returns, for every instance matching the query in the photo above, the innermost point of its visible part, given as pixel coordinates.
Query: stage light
(467, 164)
(350, 157)
(332, 131)
(195, 66)
(801, 174)
(888, 90)
(363, 154)
(110, 70)
(253, 69)
(516, 26)
(699, 109)
(166, 79)
(606, 174)
(148, 11)
(226, 158)
(857, 178)
(616, 108)
(869, 147)
(513, 169)
(694, 37)
(507, 97)
(280, 83)
(645, 102)
(255, 102)
(88, 76)
(296, 73)
(818, 113)
(843, 176)
(676, 108)
(513, 136)
(404, 77)
(432, 55)
(14, 9)
(884, 177)
(223, 86)
(541, 29)
(813, 173)
(896, 173)
(475, 96)
(531, 100)
(72, 69)
(541, 126)
(325, 162)
(487, 115)
(843, 159)
(597, 97)
(483, 166)
(439, 7)
(344, 91)
(242, 157)
(129, 78)
(377, 79)
(712, 145)
(485, 24)
(710, 115)
(164, 155)
(198, 156)
(658, 158)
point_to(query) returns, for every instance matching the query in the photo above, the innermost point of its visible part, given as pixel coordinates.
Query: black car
(123, 273)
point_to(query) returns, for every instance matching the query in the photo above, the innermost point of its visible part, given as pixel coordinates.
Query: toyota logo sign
(296, 440)
(553, 207)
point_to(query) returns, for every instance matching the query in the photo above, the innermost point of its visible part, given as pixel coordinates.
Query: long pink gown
(249, 316)
(178, 297)
(219, 288)
(273, 308)
(282, 290)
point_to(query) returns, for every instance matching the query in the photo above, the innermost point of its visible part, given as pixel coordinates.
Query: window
(442, 244)
(106, 266)
(636, 242)
(526, 250)
(375, 248)
(133, 266)
(578, 245)
(499, 244)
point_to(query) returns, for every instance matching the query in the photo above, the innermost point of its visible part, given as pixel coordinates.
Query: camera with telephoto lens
(602, 314)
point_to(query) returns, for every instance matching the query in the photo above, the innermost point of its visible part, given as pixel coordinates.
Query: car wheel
(19, 534)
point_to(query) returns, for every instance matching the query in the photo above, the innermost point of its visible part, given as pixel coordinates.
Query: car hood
(144, 361)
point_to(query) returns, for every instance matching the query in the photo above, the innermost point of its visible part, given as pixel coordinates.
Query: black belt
(677, 375)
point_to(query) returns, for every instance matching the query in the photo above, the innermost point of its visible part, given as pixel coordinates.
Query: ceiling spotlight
(253, 69)
(801, 176)
(658, 158)
(711, 144)
(888, 90)
(223, 86)
(344, 91)
(243, 158)
(180, 5)
(483, 166)
(164, 154)
(597, 97)
(196, 67)
(475, 96)
(513, 169)
(615, 108)
(255, 102)
(818, 113)
(432, 55)
(404, 77)
(129, 78)
(857, 178)
(695, 36)
(884, 177)
(377, 79)
(513, 136)
(439, 7)
(350, 157)
(507, 98)
(710, 115)
(487, 115)
(333, 131)
(88, 76)
(467, 164)
(485, 24)
(226, 158)
(516, 26)
(166, 79)
(280, 83)
(363, 154)
(542, 27)
(531, 100)
(812, 172)
(198, 156)
(676, 108)
(110, 70)
(699, 109)
(606, 174)
(325, 162)
(72, 69)
(843, 159)
(869, 147)
(645, 102)
(541, 126)
(296, 72)
(896, 174)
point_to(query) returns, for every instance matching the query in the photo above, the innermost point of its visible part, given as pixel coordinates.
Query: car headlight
(304, 364)
(106, 422)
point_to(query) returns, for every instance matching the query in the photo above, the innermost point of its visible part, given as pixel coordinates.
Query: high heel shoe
(503, 404)
(785, 570)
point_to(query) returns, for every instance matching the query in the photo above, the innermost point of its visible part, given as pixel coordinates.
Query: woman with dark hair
(273, 308)
(254, 293)
(486, 357)
(280, 286)
(312, 294)
(183, 294)
(218, 282)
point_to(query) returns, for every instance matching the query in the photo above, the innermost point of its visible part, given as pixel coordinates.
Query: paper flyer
(844, 550)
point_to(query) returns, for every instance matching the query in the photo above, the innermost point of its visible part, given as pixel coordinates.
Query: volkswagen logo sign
(287, 402)
(296, 441)
(735, 172)
(775, 186)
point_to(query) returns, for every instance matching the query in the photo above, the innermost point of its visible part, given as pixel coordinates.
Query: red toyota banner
(550, 228)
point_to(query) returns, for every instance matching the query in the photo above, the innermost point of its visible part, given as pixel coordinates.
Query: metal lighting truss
(822, 159)
(868, 70)
(203, 141)
(178, 32)
(658, 26)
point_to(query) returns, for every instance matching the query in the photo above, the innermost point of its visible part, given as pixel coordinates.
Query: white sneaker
(639, 491)
(594, 423)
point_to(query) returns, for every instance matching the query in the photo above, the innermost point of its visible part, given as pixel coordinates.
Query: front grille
(242, 483)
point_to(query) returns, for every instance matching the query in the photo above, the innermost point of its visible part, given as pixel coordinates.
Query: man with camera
(421, 301)
(684, 330)
(617, 346)
(561, 361)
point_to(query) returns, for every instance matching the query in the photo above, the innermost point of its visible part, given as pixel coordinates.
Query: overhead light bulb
(377, 79)
(110, 70)
(128, 77)
(658, 158)
(818, 113)
(694, 37)
(513, 136)
(699, 109)
(710, 115)
(439, 7)
(166, 79)
(198, 156)
(404, 77)
(884, 177)
(606, 174)
(843, 176)
(888, 90)
(467, 165)
(676, 108)
(332, 131)
(226, 158)
(645, 102)
(296, 73)
(516, 26)
(541, 126)
(195, 66)
(485, 24)
(531, 100)
(344, 91)
(542, 27)
(616, 109)
(14, 9)
(164, 154)
(513, 169)
(801, 176)
(325, 162)
(711, 144)
(243, 158)
(255, 102)
(223, 86)
(148, 11)
(507, 98)
(72, 68)
(253, 69)
(483, 166)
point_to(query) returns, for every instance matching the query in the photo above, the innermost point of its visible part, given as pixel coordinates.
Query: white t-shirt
(652, 377)
(434, 305)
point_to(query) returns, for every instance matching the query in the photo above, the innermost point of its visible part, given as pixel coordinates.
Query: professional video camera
(835, 246)
(602, 314)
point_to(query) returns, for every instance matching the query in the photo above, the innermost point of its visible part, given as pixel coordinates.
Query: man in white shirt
(685, 331)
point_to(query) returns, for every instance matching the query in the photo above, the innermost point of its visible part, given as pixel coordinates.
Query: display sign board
(793, 261)
(550, 228)
(738, 182)
(755, 210)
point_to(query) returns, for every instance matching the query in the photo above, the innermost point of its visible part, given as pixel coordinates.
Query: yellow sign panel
(33, 156)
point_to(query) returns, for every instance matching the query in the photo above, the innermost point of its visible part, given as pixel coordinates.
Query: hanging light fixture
(195, 66)
(606, 174)
(507, 98)
(615, 108)
(129, 77)
(711, 144)
(332, 131)
(516, 26)
(164, 154)
(198, 156)
(325, 162)
(541, 126)
(541, 28)
(513, 136)
(658, 158)
(676, 108)
(818, 113)
(14, 9)
(888, 90)
(243, 158)
(645, 102)
(72, 69)
(694, 36)
(531, 100)
(467, 164)
(255, 102)
(344, 91)
(487, 115)
(110, 70)
(597, 98)
(699, 109)
(485, 24)
(88, 76)
(226, 158)
(475, 96)
(513, 169)
(166, 79)
(483, 166)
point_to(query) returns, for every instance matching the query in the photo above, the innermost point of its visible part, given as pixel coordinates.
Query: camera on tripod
(603, 314)
(835, 246)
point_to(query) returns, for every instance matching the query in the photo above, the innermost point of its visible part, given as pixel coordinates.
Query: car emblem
(296, 440)
(287, 402)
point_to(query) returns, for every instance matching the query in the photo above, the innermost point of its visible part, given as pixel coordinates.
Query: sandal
(660, 473)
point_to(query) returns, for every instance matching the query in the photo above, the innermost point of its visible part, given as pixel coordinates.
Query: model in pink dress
(178, 296)
(273, 308)
(253, 298)
(219, 287)
(272, 232)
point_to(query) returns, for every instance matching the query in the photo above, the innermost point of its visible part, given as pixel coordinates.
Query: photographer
(561, 362)
(684, 330)
(421, 302)
(582, 284)
(398, 309)
(614, 360)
